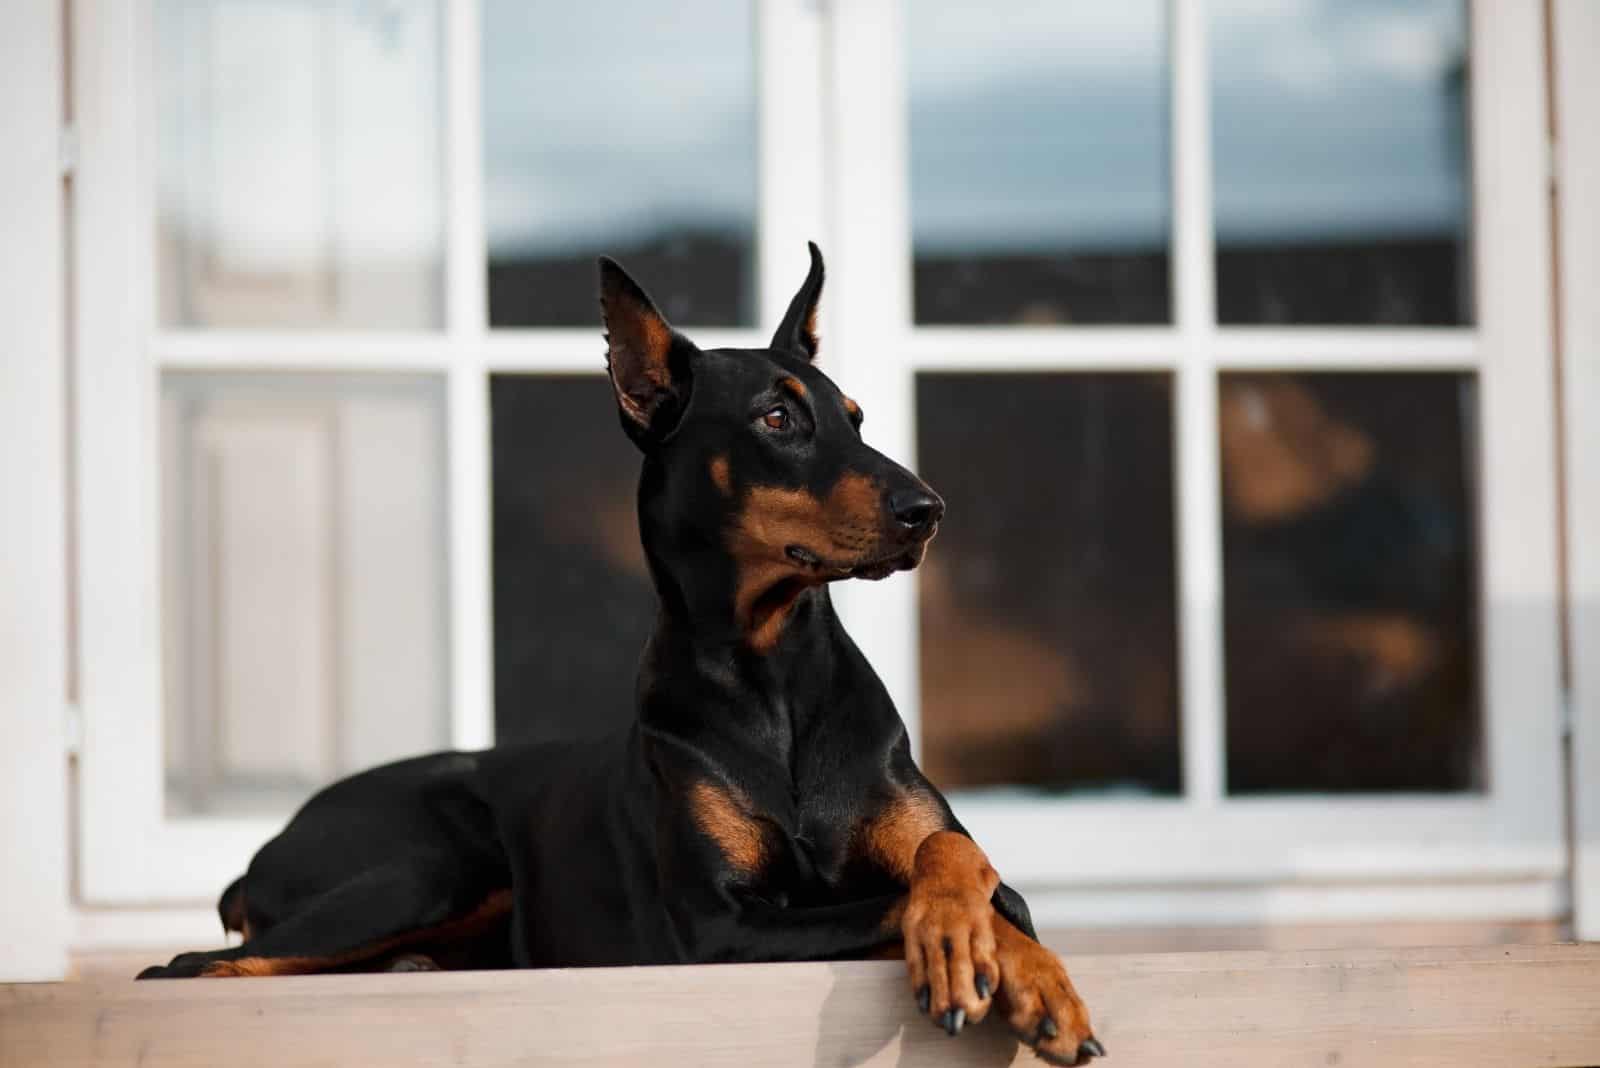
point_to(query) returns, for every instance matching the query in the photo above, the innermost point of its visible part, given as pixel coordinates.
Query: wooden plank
(118, 944)
(1506, 1005)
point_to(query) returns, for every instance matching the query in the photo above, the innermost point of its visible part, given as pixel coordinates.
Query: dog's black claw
(982, 983)
(923, 996)
(952, 1021)
(1092, 1047)
(1048, 1029)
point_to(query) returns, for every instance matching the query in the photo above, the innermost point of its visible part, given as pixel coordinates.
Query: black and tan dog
(763, 806)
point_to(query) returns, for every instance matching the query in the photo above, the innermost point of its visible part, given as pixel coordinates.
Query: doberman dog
(763, 805)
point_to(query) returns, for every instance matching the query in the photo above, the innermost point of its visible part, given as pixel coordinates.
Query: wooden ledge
(1502, 1005)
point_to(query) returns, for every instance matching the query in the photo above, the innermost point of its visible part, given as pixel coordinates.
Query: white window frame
(832, 115)
(35, 660)
(1206, 856)
(130, 852)
(1575, 35)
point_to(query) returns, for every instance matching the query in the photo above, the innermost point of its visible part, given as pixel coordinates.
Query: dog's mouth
(903, 559)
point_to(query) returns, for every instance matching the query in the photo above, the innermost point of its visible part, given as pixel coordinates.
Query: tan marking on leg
(892, 837)
(895, 950)
(948, 929)
(1034, 988)
(493, 908)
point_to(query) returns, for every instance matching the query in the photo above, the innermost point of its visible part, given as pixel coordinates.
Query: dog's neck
(699, 620)
(700, 600)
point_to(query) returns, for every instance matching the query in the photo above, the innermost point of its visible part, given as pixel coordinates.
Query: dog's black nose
(917, 510)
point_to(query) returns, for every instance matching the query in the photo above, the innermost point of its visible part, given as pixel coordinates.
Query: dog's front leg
(1038, 1001)
(948, 930)
(968, 936)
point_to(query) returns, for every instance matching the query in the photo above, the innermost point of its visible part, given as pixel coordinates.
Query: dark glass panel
(1350, 582)
(572, 602)
(1342, 164)
(1048, 602)
(1039, 162)
(626, 131)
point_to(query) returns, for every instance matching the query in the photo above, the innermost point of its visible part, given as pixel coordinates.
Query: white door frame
(1575, 35)
(33, 458)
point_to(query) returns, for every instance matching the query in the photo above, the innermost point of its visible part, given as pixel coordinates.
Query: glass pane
(305, 593)
(628, 130)
(299, 163)
(1048, 603)
(1342, 174)
(1039, 161)
(573, 603)
(1350, 582)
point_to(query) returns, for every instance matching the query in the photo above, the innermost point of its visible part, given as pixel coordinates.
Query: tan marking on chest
(723, 814)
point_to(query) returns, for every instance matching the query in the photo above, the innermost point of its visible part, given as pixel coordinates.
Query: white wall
(33, 665)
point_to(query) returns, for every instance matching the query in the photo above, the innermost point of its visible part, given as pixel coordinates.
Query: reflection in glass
(1048, 602)
(1039, 161)
(1342, 175)
(573, 603)
(299, 163)
(628, 130)
(304, 590)
(1350, 582)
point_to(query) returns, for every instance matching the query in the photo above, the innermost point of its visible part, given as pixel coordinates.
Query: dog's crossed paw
(1039, 1003)
(950, 954)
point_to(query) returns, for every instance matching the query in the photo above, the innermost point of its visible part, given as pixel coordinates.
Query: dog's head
(757, 451)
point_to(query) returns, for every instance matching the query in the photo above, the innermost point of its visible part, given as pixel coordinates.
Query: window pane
(1048, 603)
(1350, 582)
(1343, 189)
(573, 604)
(1039, 161)
(304, 597)
(299, 163)
(628, 130)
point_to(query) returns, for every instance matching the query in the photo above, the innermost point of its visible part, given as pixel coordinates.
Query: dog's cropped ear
(798, 331)
(647, 359)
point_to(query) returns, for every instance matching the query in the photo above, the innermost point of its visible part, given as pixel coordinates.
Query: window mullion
(466, 318)
(1198, 483)
(789, 38)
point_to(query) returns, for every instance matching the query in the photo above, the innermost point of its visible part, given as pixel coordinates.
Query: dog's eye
(777, 418)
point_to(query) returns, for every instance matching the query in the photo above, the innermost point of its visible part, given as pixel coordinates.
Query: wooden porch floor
(1485, 1005)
